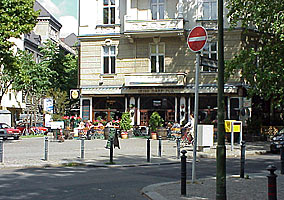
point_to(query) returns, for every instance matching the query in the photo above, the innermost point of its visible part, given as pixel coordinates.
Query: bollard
(82, 148)
(45, 148)
(160, 147)
(178, 148)
(111, 151)
(1, 150)
(282, 158)
(183, 173)
(148, 149)
(272, 187)
(243, 154)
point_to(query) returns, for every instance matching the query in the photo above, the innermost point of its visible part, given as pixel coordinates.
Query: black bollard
(183, 173)
(282, 158)
(243, 154)
(160, 146)
(272, 187)
(148, 149)
(178, 148)
(45, 148)
(111, 151)
(82, 148)
(1, 150)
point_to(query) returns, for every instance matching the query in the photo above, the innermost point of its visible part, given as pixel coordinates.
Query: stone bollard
(282, 158)
(183, 173)
(45, 148)
(148, 149)
(82, 148)
(1, 151)
(178, 148)
(111, 151)
(160, 147)
(243, 154)
(272, 186)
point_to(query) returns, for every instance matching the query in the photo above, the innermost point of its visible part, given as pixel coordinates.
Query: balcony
(154, 79)
(208, 24)
(167, 27)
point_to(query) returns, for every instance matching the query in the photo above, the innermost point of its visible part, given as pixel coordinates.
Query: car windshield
(4, 126)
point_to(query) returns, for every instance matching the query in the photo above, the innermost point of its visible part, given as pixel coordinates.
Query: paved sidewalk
(254, 188)
(29, 152)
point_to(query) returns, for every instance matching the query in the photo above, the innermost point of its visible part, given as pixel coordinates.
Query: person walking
(115, 140)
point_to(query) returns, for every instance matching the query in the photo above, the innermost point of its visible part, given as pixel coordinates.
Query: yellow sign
(74, 94)
(228, 128)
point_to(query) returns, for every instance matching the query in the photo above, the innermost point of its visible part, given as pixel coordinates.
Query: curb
(83, 164)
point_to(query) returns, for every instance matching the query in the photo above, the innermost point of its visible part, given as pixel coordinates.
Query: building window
(109, 11)
(157, 9)
(209, 51)
(157, 57)
(209, 10)
(109, 59)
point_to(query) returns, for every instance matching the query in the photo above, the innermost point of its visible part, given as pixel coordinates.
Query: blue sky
(65, 11)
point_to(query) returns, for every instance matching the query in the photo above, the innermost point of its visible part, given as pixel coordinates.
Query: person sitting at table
(176, 125)
(82, 125)
(109, 124)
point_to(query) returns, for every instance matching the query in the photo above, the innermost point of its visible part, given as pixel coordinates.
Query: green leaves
(261, 67)
(16, 18)
(125, 122)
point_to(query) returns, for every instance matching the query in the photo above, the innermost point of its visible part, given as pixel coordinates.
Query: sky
(65, 11)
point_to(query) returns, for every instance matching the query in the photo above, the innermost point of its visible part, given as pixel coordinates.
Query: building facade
(134, 57)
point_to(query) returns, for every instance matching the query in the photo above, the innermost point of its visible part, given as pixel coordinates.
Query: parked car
(36, 130)
(277, 141)
(7, 131)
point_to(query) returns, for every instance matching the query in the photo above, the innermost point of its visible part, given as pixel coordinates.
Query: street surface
(109, 183)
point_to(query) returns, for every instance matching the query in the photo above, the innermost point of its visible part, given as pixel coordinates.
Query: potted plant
(125, 124)
(155, 121)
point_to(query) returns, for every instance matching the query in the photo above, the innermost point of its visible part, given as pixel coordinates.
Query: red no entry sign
(197, 38)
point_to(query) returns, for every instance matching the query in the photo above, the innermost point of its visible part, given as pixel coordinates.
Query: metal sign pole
(195, 115)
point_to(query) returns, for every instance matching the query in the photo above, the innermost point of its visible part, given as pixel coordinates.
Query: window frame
(110, 56)
(210, 52)
(157, 55)
(211, 10)
(109, 7)
(158, 4)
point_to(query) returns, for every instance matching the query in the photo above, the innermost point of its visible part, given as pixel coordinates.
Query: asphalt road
(121, 183)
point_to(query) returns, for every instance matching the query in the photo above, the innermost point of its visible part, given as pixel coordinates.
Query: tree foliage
(60, 100)
(63, 67)
(32, 77)
(262, 66)
(16, 18)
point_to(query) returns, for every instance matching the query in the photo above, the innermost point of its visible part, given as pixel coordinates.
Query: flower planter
(124, 135)
(154, 136)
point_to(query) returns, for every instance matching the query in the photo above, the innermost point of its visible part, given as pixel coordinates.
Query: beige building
(134, 57)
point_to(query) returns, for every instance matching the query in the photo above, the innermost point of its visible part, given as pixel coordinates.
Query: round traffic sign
(197, 38)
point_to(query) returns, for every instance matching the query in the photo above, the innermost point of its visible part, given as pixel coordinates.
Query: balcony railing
(155, 79)
(142, 26)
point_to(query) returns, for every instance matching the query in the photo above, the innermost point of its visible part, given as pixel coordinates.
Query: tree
(63, 68)
(60, 100)
(17, 17)
(32, 78)
(62, 71)
(262, 67)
